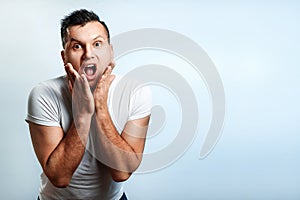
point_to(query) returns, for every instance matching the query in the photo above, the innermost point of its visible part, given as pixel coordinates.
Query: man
(87, 128)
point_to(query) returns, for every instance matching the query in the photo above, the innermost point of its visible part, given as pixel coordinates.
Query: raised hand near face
(82, 97)
(101, 90)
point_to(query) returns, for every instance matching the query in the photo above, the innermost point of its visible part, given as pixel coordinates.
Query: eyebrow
(75, 40)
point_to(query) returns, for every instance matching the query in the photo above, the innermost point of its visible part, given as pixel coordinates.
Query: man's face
(88, 50)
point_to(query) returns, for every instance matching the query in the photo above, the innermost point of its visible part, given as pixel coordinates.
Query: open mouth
(90, 70)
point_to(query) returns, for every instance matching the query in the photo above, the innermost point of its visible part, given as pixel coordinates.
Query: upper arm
(45, 139)
(135, 132)
(135, 129)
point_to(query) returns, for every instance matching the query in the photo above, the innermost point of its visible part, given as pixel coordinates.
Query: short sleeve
(42, 107)
(140, 102)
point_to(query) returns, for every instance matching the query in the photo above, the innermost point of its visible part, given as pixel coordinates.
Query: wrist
(103, 119)
(83, 119)
(102, 112)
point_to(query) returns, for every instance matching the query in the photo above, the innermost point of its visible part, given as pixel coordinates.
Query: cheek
(73, 56)
(74, 59)
(104, 55)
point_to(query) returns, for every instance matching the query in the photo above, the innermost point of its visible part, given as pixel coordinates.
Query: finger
(67, 69)
(107, 75)
(103, 77)
(99, 85)
(70, 86)
(69, 74)
(104, 81)
(78, 84)
(107, 71)
(72, 73)
(110, 79)
(98, 93)
(112, 64)
(85, 82)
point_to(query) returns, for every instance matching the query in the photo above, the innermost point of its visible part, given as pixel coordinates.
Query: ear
(112, 59)
(62, 54)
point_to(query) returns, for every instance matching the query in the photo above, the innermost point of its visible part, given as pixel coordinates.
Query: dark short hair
(79, 17)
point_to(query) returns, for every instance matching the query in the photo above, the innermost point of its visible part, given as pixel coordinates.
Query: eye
(77, 46)
(98, 44)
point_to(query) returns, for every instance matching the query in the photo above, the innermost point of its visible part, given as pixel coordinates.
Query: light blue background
(255, 47)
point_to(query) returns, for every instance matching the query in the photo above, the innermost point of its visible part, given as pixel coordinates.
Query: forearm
(115, 152)
(66, 157)
(122, 153)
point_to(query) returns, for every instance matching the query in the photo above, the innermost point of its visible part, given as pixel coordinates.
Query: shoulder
(46, 101)
(56, 86)
(131, 95)
(128, 86)
(50, 93)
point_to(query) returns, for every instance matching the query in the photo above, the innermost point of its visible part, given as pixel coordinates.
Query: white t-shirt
(50, 104)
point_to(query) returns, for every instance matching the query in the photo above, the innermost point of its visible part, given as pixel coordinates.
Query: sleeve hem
(142, 115)
(41, 122)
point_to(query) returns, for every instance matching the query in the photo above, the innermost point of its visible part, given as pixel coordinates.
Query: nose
(88, 52)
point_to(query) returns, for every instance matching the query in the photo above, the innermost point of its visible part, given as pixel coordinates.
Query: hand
(82, 97)
(101, 91)
(72, 74)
